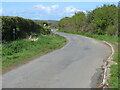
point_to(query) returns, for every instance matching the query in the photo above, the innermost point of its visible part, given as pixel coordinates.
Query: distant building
(44, 24)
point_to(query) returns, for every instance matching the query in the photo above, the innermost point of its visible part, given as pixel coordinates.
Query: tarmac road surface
(73, 66)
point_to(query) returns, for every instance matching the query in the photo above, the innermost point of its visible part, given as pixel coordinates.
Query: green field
(24, 50)
(113, 81)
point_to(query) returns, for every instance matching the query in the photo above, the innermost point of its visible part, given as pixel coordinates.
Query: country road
(73, 66)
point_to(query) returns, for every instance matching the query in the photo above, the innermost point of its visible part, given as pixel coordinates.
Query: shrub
(23, 28)
(98, 21)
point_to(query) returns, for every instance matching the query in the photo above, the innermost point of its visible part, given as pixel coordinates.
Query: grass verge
(19, 51)
(113, 81)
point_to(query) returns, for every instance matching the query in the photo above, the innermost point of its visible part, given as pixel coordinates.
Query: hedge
(22, 27)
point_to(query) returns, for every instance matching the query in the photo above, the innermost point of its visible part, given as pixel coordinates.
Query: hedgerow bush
(46, 30)
(23, 28)
(102, 21)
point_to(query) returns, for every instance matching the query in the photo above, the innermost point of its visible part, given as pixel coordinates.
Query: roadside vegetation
(100, 24)
(21, 50)
(99, 21)
(14, 28)
(24, 39)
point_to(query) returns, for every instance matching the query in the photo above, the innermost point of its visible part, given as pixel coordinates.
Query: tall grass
(22, 50)
(100, 37)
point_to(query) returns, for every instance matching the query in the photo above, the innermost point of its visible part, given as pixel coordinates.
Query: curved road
(73, 66)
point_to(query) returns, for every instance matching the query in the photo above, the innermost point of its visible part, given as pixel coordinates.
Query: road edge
(106, 67)
(105, 75)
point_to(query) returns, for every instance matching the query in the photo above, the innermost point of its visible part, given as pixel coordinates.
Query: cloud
(54, 6)
(43, 12)
(84, 11)
(53, 11)
(71, 9)
(47, 9)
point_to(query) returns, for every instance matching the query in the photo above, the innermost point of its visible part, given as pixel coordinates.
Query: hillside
(51, 23)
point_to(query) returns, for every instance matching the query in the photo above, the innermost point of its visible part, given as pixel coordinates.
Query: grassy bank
(24, 50)
(113, 81)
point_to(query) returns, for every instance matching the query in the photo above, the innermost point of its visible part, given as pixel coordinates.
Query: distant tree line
(102, 21)
(21, 27)
(42, 22)
(50, 23)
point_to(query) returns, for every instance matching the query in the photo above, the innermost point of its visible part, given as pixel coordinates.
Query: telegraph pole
(13, 34)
